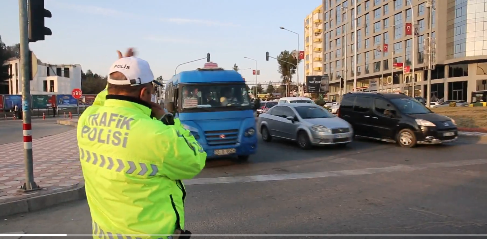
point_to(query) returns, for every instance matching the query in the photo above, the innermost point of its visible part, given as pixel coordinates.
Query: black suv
(397, 118)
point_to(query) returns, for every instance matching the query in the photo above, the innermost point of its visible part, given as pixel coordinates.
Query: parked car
(308, 124)
(458, 103)
(292, 100)
(397, 118)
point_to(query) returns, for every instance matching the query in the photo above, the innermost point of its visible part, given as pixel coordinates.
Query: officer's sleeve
(187, 158)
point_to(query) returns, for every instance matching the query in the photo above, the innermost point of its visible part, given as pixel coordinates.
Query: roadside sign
(40, 101)
(76, 93)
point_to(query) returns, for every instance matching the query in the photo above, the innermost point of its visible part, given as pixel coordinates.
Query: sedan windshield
(313, 112)
(410, 106)
(215, 96)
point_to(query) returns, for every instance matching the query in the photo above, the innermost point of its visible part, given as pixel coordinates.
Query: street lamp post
(256, 73)
(413, 25)
(297, 61)
(428, 83)
(175, 70)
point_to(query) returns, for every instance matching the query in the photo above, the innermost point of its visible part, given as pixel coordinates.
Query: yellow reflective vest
(100, 98)
(133, 166)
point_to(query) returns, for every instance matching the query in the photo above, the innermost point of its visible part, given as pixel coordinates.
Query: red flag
(386, 48)
(301, 55)
(407, 69)
(253, 72)
(409, 29)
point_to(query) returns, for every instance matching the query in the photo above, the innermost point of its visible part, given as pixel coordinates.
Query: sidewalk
(56, 169)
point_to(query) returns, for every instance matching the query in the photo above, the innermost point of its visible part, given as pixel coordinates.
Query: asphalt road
(11, 130)
(367, 188)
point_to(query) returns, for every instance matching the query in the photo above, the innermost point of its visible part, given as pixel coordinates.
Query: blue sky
(167, 33)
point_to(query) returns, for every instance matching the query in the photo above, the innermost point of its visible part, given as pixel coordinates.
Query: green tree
(235, 67)
(92, 83)
(287, 68)
(270, 89)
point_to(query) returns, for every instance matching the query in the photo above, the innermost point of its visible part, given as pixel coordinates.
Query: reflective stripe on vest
(117, 165)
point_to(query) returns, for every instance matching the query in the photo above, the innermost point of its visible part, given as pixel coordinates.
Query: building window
(66, 72)
(367, 5)
(408, 14)
(386, 9)
(58, 72)
(421, 9)
(385, 66)
(421, 25)
(398, 4)
(44, 86)
(377, 13)
(51, 85)
(398, 26)
(377, 27)
(48, 71)
(377, 66)
(458, 70)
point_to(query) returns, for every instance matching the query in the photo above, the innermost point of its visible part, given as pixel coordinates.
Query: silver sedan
(309, 125)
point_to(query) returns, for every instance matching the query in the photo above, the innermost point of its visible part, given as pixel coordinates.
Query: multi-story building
(313, 41)
(49, 79)
(459, 46)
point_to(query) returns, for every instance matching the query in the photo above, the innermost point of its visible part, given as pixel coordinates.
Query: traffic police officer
(132, 162)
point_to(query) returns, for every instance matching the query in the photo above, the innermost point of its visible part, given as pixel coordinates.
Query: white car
(334, 108)
(291, 100)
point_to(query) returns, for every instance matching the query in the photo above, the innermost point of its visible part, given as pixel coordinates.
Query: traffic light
(342, 85)
(207, 57)
(37, 13)
(267, 56)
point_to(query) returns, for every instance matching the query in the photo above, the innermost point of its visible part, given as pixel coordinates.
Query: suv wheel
(406, 138)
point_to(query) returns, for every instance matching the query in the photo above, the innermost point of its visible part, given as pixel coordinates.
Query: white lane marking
(342, 173)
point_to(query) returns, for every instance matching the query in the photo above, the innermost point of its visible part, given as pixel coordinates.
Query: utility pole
(430, 54)
(25, 65)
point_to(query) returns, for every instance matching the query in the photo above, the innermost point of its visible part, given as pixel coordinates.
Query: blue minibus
(214, 104)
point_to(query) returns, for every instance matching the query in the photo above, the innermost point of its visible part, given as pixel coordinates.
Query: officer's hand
(157, 110)
(130, 52)
(168, 119)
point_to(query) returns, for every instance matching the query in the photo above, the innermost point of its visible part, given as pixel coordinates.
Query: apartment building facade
(459, 46)
(313, 43)
(49, 79)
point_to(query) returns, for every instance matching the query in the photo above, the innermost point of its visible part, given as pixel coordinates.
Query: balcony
(318, 21)
(318, 31)
(307, 72)
(317, 68)
(307, 44)
(318, 49)
(317, 59)
(317, 11)
(318, 40)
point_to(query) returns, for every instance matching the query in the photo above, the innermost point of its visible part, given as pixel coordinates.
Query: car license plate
(449, 134)
(225, 151)
(340, 136)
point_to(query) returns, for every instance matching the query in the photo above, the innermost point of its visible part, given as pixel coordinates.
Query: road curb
(42, 202)
(68, 122)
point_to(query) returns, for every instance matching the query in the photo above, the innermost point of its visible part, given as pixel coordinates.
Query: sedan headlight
(249, 132)
(422, 122)
(321, 129)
